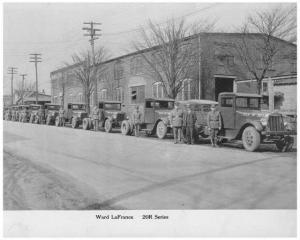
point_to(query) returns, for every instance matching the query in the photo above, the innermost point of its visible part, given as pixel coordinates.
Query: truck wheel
(285, 144)
(57, 123)
(75, 123)
(48, 120)
(86, 124)
(108, 126)
(125, 128)
(31, 119)
(161, 130)
(251, 139)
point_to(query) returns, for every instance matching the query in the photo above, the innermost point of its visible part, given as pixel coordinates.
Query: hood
(254, 113)
(163, 111)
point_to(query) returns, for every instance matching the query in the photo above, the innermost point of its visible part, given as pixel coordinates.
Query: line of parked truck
(242, 118)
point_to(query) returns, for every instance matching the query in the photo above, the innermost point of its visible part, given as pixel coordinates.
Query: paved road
(111, 171)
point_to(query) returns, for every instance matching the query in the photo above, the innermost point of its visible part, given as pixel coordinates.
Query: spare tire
(161, 130)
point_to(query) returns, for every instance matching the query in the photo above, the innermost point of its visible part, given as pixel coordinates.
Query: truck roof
(35, 105)
(52, 104)
(104, 101)
(240, 94)
(198, 101)
(160, 99)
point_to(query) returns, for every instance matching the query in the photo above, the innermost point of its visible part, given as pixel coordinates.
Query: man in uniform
(214, 124)
(189, 121)
(95, 117)
(137, 120)
(61, 115)
(176, 120)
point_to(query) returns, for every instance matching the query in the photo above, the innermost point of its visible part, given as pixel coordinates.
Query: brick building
(218, 70)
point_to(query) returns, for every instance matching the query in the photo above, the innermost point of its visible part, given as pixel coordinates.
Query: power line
(23, 78)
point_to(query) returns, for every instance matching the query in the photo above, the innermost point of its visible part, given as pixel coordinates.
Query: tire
(75, 123)
(86, 124)
(57, 123)
(48, 120)
(31, 119)
(125, 127)
(37, 120)
(251, 139)
(108, 126)
(161, 130)
(285, 145)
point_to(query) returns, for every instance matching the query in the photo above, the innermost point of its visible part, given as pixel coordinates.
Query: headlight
(264, 121)
(114, 116)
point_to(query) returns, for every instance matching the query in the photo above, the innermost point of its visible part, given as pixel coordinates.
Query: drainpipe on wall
(199, 65)
(271, 94)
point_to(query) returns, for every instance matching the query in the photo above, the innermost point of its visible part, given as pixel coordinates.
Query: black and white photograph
(119, 117)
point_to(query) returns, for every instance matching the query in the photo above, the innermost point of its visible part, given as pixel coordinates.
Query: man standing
(95, 117)
(189, 121)
(214, 124)
(137, 120)
(61, 115)
(176, 116)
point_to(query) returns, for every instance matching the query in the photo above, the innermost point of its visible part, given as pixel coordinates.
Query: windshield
(247, 102)
(53, 107)
(78, 107)
(164, 104)
(112, 106)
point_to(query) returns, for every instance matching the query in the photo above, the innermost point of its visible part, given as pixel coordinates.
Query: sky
(55, 30)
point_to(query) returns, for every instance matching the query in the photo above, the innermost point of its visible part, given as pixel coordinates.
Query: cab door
(227, 110)
(149, 112)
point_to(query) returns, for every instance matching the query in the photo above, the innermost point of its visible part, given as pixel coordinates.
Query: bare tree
(86, 74)
(173, 53)
(21, 90)
(257, 52)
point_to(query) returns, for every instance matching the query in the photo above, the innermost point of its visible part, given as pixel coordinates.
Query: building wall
(218, 57)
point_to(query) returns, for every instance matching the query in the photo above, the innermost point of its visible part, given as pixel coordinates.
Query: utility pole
(23, 78)
(92, 33)
(36, 58)
(12, 71)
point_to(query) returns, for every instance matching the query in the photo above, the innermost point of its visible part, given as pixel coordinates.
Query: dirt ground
(29, 186)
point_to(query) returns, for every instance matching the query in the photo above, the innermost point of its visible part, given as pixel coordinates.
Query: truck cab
(155, 117)
(51, 112)
(243, 119)
(37, 113)
(76, 112)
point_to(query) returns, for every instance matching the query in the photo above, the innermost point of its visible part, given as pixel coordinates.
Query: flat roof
(198, 101)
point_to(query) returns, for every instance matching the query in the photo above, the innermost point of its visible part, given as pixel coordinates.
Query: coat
(95, 114)
(189, 119)
(214, 120)
(61, 113)
(137, 117)
(176, 117)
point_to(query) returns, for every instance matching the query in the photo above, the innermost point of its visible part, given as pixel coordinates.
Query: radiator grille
(276, 123)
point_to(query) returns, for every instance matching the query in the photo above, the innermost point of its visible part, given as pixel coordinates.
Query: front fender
(258, 126)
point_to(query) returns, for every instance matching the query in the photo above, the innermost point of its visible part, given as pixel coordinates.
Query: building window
(158, 90)
(230, 60)
(118, 70)
(136, 65)
(55, 100)
(264, 87)
(103, 94)
(80, 99)
(185, 92)
(137, 94)
(119, 94)
(70, 98)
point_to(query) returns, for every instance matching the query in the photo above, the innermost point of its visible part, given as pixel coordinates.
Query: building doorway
(223, 84)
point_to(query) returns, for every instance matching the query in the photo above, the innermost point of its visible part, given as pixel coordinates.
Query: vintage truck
(243, 119)
(75, 114)
(37, 113)
(51, 112)
(155, 117)
(24, 113)
(112, 116)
